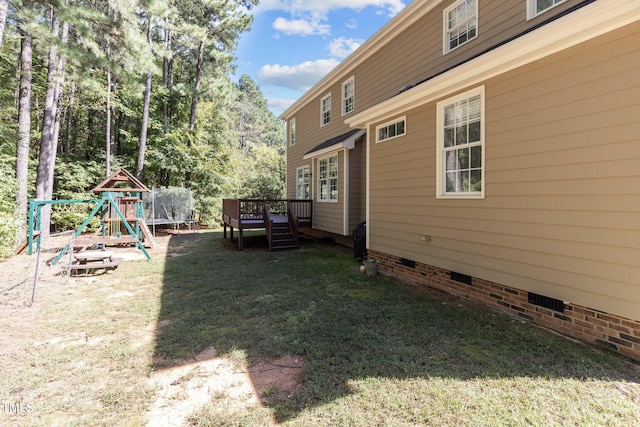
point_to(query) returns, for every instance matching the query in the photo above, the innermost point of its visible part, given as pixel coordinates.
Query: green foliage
(265, 174)
(8, 214)
(74, 181)
(238, 145)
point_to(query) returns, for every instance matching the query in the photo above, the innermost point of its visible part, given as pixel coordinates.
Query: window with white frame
(391, 129)
(537, 7)
(348, 96)
(292, 132)
(328, 179)
(460, 24)
(460, 144)
(325, 110)
(303, 183)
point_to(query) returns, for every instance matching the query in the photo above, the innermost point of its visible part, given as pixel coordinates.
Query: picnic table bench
(93, 260)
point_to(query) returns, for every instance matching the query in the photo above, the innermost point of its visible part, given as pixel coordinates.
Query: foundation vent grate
(459, 277)
(546, 302)
(407, 262)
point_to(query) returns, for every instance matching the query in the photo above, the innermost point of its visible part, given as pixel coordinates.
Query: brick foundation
(586, 324)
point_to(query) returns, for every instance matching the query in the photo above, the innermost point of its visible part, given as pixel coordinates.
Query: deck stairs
(282, 237)
(282, 230)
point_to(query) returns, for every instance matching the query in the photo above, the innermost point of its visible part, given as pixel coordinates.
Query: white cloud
(343, 47)
(301, 27)
(323, 7)
(297, 77)
(278, 105)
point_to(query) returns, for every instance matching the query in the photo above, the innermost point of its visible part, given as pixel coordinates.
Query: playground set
(122, 222)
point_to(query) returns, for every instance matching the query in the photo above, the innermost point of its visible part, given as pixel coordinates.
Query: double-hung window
(325, 110)
(303, 183)
(460, 145)
(348, 96)
(537, 7)
(328, 179)
(292, 132)
(460, 24)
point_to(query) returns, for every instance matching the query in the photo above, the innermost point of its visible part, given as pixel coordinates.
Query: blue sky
(293, 43)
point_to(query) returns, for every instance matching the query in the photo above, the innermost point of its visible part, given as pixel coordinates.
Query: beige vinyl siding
(561, 216)
(412, 56)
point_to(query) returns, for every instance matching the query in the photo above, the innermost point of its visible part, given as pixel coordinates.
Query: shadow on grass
(315, 303)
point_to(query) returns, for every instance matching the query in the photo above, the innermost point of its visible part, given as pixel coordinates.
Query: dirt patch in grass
(220, 386)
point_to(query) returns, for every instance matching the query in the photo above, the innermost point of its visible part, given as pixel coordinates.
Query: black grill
(459, 277)
(546, 302)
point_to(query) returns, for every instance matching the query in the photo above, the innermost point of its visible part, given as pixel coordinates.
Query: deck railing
(268, 224)
(293, 224)
(254, 208)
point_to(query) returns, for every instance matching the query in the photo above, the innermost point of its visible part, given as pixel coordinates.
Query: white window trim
(531, 8)
(391, 122)
(322, 112)
(445, 27)
(351, 80)
(298, 185)
(292, 132)
(329, 200)
(440, 169)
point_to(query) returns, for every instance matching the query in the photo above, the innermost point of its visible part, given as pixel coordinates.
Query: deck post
(240, 239)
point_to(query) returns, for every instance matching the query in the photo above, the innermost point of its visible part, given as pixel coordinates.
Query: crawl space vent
(459, 277)
(407, 262)
(546, 302)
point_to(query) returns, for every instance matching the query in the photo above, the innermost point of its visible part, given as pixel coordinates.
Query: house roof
(402, 20)
(121, 181)
(346, 140)
(589, 21)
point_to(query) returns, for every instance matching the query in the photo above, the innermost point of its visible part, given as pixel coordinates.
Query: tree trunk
(67, 143)
(108, 126)
(166, 63)
(194, 99)
(108, 112)
(4, 6)
(48, 140)
(24, 130)
(58, 94)
(145, 113)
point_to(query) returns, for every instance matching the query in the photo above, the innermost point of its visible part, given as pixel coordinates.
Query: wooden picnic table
(93, 260)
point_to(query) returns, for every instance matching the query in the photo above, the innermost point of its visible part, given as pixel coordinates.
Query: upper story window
(536, 7)
(460, 144)
(348, 96)
(328, 179)
(292, 132)
(460, 23)
(391, 130)
(325, 110)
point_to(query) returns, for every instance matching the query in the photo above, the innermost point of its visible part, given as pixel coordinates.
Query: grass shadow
(349, 328)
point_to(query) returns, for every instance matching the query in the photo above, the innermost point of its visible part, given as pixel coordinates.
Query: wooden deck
(249, 214)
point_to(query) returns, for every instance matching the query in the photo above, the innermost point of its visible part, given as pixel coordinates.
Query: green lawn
(379, 353)
(376, 352)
